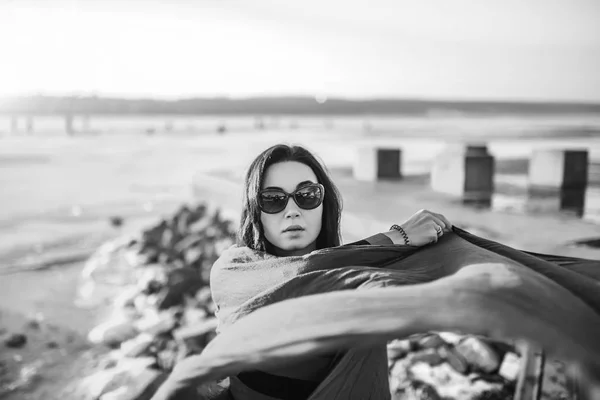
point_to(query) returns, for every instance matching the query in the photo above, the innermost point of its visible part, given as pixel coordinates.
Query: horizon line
(324, 98)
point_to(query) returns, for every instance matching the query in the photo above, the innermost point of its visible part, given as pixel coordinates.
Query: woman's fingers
(426, 227)
(446, 221)
(438, 221)
(435, 236)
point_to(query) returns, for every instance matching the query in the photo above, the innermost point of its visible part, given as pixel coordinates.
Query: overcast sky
(464, 49)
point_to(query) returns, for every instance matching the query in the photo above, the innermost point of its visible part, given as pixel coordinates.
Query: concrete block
(29, 124)
(591, 210)
(558, 169)
(558, 179)
(69, 124)
(373, 164)
(464, 171)
(365, 164)
(14, 124)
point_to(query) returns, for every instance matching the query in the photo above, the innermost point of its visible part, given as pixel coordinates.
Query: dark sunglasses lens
(272, 201)
(309, 197)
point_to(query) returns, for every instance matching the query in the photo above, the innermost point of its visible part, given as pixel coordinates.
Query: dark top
(280, 387)
(285, 388)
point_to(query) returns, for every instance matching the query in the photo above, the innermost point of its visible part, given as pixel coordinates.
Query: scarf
(276, 310)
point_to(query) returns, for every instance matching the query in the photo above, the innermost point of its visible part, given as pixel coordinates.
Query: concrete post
(558, 179)
(69, 124)
(29, 125)
(464, 171)
(591, 207)
(373, 163)
(14, 124)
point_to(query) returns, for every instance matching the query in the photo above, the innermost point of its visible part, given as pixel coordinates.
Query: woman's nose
(291, 211)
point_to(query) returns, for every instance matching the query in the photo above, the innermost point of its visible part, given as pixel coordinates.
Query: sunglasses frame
(293, 196)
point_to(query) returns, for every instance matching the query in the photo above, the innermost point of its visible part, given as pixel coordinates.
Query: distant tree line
(49, 105)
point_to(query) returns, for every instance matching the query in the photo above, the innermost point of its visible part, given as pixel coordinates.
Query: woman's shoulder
(235, 258)
(236, 254)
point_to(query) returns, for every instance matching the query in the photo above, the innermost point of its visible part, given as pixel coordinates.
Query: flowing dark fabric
(276, 310)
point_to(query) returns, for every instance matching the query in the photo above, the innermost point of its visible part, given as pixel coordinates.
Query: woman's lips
(293, 228)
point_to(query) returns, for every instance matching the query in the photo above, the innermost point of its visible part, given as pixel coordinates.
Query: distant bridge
(29, 123)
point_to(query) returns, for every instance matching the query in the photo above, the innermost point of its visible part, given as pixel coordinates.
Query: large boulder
(113, 332)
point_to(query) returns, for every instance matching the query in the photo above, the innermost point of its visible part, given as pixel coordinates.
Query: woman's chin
(296, 244)
(291, 245)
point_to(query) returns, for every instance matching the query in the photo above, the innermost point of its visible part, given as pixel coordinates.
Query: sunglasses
(273, 201)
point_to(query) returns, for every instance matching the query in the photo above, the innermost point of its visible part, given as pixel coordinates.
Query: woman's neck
(290, 253)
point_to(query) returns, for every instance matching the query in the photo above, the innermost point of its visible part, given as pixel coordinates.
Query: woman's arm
(422, 228)
(384, 238)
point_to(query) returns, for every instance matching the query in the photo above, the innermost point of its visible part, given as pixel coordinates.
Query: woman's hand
(425, 227)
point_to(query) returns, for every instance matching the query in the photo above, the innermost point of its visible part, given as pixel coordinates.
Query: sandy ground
(58, 195)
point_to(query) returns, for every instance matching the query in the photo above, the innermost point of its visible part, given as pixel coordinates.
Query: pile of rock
(165, 313)
(448, 366)
(193, 238)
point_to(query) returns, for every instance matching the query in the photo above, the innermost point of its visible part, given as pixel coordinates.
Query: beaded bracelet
(402, 232)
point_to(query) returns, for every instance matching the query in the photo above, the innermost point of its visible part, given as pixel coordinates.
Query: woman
(282, 294)
(279, 172)
(291, 207)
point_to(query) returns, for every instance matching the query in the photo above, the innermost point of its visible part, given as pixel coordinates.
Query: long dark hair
(251, 232)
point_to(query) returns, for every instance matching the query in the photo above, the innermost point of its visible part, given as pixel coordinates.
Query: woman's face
(290, 175)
